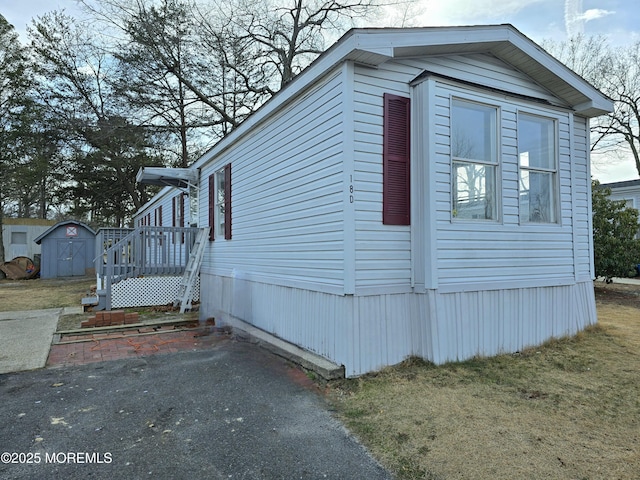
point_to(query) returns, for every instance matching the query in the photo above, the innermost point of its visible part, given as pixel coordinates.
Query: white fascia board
(377, 39)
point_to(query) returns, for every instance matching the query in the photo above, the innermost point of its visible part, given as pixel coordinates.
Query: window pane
(474, 191)
(537, 202)
(473, 131)
(536, 142)
(18, 238)
(220, 202)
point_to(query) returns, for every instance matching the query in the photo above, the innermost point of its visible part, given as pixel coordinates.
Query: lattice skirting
(148, 291)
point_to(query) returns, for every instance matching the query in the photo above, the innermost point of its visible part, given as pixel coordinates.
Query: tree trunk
(2, 260)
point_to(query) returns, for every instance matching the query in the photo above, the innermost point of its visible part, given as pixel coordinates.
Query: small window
(474, 160)
(177, 215)
(220, 204)
(18, 238)
(538, 171)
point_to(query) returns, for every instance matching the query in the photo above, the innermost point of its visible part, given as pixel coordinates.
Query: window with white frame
(538, 169)
(474, 160)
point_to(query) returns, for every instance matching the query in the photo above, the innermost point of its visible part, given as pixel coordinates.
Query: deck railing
(145, 251)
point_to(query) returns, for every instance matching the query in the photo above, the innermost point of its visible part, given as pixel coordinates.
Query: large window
(537, 158)
(474, 160)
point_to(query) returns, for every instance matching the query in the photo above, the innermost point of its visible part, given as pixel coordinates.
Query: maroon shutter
(212, 198)
(182, 200)
(227, 201)
(395, 159)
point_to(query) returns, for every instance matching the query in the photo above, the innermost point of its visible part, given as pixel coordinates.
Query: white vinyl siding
(163, 200)
(287, 197)
(383, 252)
(471, 253)
(582, 198)
(485, 70)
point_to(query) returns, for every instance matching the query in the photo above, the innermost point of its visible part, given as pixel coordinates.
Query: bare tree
(616, 72)
(621, 128)
(291, 33)
(228, 57)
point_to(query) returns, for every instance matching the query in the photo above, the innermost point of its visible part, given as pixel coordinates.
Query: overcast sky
(538, 19)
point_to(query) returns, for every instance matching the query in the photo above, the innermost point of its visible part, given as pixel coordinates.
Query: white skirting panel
(490, 322)
(148, 291)
(366, 333)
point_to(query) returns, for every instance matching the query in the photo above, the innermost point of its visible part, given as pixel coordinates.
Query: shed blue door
(71, 258)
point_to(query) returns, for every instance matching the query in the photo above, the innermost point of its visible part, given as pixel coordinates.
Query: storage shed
(67, 250)
(412, 192)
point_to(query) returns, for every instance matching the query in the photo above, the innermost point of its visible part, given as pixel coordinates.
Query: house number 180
(351, 189)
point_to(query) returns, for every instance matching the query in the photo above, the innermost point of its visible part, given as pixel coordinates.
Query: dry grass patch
(43, 293)
(569, 409)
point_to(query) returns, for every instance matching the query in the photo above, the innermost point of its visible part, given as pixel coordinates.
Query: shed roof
(38, 222)
(39, 239)
(374, 46)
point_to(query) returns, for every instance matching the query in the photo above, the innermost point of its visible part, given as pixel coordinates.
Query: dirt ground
(617, 293)
(39, 294)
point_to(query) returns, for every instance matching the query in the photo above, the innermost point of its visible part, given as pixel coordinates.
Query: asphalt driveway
(232, 411)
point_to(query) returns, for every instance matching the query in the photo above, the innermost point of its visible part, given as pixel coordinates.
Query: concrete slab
(25, 338)
(624, 281)
(304, 358)
(627, 281)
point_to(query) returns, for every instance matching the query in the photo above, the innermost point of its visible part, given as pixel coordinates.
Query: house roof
(39, 239)
(374, 46)
(505, 42)
(623, 184)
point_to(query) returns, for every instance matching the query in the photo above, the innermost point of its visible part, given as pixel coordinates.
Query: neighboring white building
(412, 192)
(18, 236)
(629, 191)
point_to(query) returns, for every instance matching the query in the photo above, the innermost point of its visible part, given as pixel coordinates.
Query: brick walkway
(139, 342)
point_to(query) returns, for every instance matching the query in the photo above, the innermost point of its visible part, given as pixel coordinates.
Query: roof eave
(375, 46)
